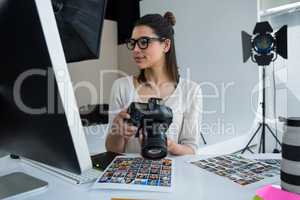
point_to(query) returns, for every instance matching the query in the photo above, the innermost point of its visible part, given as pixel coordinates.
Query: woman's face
(154, 54)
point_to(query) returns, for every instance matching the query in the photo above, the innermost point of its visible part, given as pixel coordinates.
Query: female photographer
(153, 49)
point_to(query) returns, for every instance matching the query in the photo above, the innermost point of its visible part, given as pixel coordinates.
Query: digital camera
(153, 121)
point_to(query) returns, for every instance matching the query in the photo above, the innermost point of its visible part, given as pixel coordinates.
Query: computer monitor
(39, 117)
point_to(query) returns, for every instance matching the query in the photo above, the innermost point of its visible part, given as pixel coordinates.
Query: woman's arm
(179, 149)
(190, 133)
(119, 131)
(115, 143)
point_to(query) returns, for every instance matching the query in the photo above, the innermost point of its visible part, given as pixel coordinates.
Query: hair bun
(170, 17)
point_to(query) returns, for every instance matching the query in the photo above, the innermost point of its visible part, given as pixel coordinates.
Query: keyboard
(87, 176)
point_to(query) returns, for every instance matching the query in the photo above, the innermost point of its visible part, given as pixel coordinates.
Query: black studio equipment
(40, 121)
(153, 119)
(290, 164)
(263, 48)
(94, 114)
(80, 25)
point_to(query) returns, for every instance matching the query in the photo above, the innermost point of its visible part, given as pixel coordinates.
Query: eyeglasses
(142, 42)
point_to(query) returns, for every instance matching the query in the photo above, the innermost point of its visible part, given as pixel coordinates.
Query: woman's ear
(167, 46)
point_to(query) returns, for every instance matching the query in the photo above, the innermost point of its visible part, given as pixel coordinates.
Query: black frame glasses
(142, 42)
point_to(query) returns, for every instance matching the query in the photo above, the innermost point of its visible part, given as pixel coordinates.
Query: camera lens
(154, 151)
(155, 146)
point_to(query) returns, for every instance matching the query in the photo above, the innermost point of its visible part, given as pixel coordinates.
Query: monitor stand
(19, 184)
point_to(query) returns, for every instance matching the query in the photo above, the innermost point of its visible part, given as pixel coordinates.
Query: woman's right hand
(121, 127)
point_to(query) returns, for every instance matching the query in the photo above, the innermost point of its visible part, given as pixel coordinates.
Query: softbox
(80, 25)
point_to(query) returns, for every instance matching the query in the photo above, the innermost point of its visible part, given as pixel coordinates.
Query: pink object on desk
(272, 193)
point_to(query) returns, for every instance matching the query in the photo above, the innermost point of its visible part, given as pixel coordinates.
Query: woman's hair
(163, 28)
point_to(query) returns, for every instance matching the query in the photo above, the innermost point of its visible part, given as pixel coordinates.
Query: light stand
(263, 49)
(203, 139)
(262, 125)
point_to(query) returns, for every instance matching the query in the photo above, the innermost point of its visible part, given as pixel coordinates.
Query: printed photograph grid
(139, 171)
(238, 169)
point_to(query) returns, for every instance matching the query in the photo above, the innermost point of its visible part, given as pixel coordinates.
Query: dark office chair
(94, 114)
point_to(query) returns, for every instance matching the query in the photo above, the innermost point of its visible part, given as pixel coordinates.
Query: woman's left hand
(171, 145)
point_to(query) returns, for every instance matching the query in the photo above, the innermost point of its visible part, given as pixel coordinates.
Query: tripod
(262, 125)
(203, 139)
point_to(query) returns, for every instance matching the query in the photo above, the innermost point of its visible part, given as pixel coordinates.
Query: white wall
(208, 45)
(126, 62)
(286, 73)
(92, 80)
(292, 63)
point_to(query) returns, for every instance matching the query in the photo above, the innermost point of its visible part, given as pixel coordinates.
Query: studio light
(263, 48)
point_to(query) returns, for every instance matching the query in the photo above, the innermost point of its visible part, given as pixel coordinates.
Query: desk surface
(191, 183)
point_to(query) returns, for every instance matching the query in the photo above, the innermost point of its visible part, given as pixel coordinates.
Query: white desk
(191, 183)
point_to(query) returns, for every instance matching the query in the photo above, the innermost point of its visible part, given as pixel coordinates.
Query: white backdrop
(208, 45)
(287, 71)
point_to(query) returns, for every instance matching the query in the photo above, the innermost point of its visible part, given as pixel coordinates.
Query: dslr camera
(153, 121)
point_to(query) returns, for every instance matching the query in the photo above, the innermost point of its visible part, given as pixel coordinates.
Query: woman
(153, 49)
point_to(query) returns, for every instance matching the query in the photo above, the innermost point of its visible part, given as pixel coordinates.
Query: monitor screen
(32, 115)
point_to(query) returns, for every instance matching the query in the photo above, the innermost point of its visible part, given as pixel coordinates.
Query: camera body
(153, 120)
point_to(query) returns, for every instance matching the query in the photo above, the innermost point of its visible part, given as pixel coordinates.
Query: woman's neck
(157, 75)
